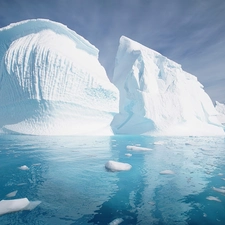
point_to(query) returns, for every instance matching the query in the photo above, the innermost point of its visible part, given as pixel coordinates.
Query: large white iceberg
(220, 107)
(51, 82)
(157, 97)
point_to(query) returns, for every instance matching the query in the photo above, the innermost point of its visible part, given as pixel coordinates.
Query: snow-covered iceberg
(157, 97)
(51, 82)
(220, 107)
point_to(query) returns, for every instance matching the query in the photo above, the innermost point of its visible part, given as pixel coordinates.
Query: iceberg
(157, 97)
(51, 82)
(220, 107)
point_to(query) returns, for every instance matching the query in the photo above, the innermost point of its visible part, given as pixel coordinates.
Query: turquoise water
(68, 176)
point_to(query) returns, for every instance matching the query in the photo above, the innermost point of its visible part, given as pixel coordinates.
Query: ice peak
(157, 97)
(13, 31)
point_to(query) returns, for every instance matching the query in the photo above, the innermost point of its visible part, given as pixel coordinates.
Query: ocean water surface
(180, 180)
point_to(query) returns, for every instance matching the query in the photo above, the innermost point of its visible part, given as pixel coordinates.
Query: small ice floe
(8, 206)
(116, 221)
(204, 215)
(220, 190)
(137, 148)
(151, 203)
(158, 143)
(36, 164)
(223, 178)
(11, 194)
(128, 154)
(21, 184)
(212, 198)
(166, 172)
(114, 166)
(24, 167)
(220, 174)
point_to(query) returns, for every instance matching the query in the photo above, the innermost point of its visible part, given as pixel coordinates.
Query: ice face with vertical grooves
(157, 97)
(51, 82)
(220, 107)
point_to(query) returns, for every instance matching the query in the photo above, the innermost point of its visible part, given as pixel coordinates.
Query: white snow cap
(157, 97)
(51, 82)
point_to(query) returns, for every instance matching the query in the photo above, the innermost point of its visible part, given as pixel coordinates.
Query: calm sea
(68, 176)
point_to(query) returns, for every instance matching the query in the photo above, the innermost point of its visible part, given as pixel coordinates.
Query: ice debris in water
(158, 143)
(166, 172)
(220, 190)
(137, 148)
(128, 154)
(24, 167)
(212, 198)
(11, 194)
(8, 206)
(116, 221)
(117, 166)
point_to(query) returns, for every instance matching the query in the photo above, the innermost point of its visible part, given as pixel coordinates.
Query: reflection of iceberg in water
(144, 196)
(125, 201)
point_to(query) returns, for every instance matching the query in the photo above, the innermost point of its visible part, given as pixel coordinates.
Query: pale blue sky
(190, 32)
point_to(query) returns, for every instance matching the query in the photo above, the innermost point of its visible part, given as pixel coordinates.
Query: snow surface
(51, 82)
(220, 107)
(157, 97)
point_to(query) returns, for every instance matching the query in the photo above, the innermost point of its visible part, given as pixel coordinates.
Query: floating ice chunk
(220, 190)
(8, 206)
(24, 167)
(11, 194)
(116, 221)
(151, 203)
(212, 198)
(166, 172)
(36, 164)
(117, 166)
(21, 184)
(158, 143)
(220, 174)
(32, 205)
(223, 178)
(128, 154)
(137, 148)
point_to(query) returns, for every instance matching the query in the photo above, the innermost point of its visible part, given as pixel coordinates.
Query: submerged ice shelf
(51, 83)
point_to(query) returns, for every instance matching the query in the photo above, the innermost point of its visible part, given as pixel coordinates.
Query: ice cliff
(51, 82)
(220, 107)
(157, 97)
